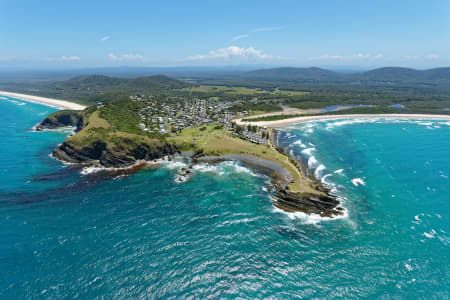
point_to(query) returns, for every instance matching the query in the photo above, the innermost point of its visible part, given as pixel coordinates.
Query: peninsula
(114, 135)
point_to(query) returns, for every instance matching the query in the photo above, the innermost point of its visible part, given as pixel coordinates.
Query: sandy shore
(290, 121)
(60, 104)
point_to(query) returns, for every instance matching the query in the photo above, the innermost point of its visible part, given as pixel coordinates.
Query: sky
(98, 33)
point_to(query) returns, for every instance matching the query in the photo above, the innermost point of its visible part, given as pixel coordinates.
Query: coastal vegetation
(272, 118)
(303, 88)
(255, 108)
(240, 90)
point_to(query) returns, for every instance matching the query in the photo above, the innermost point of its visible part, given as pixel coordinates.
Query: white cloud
(417, 57)
(126, 57)
(242, 36)
(105, 38)
(431, 56)
(262, 29)
(65, 58)
(359, 56)
(234, 52)
(70, 58)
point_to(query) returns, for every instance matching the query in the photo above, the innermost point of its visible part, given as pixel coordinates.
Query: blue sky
(97, 33)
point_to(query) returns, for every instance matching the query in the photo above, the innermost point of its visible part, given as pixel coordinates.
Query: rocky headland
(100, 140)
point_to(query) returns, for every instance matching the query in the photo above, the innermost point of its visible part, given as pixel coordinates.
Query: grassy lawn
(238, 90)
(290, 93)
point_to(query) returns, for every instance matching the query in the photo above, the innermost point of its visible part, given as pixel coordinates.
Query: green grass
(214, 141)
(256, 108)
(271, 118)
(123, 116)
(239, 90)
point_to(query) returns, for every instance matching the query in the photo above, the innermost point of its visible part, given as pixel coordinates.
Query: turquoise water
(64, 234)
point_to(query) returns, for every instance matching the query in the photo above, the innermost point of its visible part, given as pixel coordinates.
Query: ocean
(66, 232)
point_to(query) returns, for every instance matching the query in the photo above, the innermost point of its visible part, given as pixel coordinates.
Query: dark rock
(323, 205)
(62, 118)
(108, 156)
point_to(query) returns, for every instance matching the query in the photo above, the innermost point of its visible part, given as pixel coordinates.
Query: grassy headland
(216, 141)
(112, 136)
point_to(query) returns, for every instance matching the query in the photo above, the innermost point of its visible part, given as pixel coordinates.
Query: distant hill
(323, 75)
(88, 89)
(292, 74)
(106, 83)
(391, 74)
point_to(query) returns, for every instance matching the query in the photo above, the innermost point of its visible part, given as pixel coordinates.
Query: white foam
(66, 129)
(309, 219)
(339, 171)
(319, 170)
(208, 168)
(308, 151)
(240, 169)
(179, 178)
(358, 181)
(430, 235)
(312, 162)
(223, 168)
(331, 125)
(174, 164)
(238, 221)
(299, 142)
(323, 179)
(13, 101)
(408, 267)
(92, 170)
(95, 169)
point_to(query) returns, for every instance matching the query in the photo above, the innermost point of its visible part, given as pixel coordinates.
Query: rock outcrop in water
(322, 205)
(62, 118)
(318, 201)
(111, 155)
(98, 142)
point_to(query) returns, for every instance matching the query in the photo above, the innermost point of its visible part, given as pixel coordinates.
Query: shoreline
(320, 204)
(55, 103)
(298, 120)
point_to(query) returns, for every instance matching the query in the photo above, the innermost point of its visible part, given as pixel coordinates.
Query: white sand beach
(56, 103)
(296, 120)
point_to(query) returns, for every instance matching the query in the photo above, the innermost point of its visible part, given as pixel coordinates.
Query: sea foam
(312, 162)
(358, 181)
